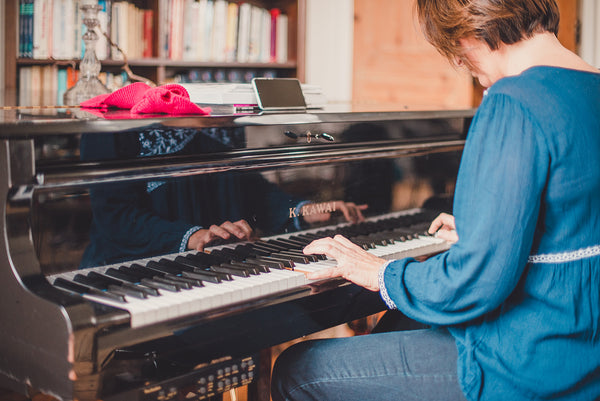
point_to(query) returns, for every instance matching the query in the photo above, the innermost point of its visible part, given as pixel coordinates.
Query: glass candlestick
(88, 85)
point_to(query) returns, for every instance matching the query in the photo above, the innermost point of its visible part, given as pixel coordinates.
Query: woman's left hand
(353, 262)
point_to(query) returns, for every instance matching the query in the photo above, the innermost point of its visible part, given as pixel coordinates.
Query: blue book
(61, 86)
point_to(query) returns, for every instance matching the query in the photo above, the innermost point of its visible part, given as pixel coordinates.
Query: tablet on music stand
(279, 94)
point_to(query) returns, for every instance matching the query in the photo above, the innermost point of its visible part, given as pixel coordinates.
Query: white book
(256, 26)
(163, 28)
(264, 55)
(49, 85)
(115, 34)
(25, 86)
(209, 13)
(232, 32)
(63, 30)
(102, 47)
(42, 29)
(282, 39)
(36, 86)
(243, 45)
(176, 36)
(219, 32)
(199, 31)
(78, 30)
(190, 26)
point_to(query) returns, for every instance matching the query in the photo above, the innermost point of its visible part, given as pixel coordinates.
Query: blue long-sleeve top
(520, 290)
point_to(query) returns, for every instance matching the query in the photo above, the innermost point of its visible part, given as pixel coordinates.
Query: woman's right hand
(443, 227)
(203, 237)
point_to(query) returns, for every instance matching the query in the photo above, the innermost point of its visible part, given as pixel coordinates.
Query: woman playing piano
(515, 302)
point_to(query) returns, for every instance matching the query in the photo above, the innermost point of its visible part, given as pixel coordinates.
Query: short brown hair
(495, 22)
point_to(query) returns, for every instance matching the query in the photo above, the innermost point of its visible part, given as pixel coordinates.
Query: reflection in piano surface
(97, 254)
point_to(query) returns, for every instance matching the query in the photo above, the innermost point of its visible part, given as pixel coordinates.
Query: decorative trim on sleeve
(186, 238)
(566, 256)
(382, 290)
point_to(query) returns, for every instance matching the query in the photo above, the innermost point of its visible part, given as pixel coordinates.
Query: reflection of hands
(353, 262)
(443, 227)
(239, 229)
(351, 211)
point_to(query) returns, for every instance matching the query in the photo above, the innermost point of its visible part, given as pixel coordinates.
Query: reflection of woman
(145, 219)
(516, 300)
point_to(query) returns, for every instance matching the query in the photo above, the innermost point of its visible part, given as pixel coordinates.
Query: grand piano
(100, 297)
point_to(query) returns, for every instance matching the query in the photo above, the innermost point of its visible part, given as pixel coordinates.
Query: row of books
(222, 31)
(191, 30)
(45, 85)
(50, 29)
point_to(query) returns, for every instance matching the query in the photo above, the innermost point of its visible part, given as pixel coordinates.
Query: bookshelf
(166, 65)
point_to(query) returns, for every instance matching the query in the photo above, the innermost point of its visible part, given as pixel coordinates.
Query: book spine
(148, 33)
(232, 32)
(273, 43)
(29, 16)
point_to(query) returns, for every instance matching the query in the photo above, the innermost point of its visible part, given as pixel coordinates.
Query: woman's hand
(353, 262)
(443, 227)
(351, 211)
(239, 229)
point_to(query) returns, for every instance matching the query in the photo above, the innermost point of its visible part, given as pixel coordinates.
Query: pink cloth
(142, 99)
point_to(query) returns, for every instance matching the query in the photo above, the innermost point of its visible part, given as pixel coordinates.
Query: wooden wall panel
(395, 68)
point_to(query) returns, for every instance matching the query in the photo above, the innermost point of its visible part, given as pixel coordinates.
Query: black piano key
(117, 289)
(173, 279)
(160, 283)
(209, 276)
(262, 268)
(310, 258)
(208, 259)
(253, 270)
(293, 244)
(114, 286)
(285, 261)
(175, 265)
(82, 289)
(201, 267)
(125, 283)
(250, 251)
(190, 281)
(236, 271)
(192, 262)
(273, 264)
(294, 258)
(122, 274)
(228, 254)
(90, 282)
(163, 268)
(268, 246)
(143, 271)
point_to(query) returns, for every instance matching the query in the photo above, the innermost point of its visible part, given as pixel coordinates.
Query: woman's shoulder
(545, 80)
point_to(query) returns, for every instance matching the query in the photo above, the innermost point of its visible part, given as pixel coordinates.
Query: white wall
(329, 47)
(590, 31)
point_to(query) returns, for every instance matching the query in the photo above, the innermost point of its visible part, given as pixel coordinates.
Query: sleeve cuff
(382, 290)
(186, 238)
(297, 210)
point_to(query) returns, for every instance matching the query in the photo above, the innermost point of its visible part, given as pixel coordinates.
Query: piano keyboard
(168, 287)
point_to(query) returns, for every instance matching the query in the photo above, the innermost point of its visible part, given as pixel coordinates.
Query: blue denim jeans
(402, 365)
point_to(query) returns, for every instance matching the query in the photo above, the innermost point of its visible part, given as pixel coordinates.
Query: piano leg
(260, 389)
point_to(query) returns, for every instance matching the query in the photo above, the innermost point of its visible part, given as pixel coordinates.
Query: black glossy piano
(101, 299)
